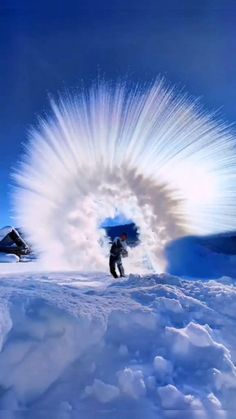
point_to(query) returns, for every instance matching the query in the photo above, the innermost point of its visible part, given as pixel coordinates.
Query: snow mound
(202, 257)
(85, 347)
(8, 258)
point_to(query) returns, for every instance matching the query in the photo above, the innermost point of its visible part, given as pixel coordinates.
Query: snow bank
(202, 257)
(147, 347)
(8, 258)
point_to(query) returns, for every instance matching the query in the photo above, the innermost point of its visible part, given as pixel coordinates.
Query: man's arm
(124, 251)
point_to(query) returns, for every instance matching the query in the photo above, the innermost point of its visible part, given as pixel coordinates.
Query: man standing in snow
(118, 250)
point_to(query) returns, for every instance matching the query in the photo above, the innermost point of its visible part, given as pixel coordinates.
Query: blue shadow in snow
(202, 257)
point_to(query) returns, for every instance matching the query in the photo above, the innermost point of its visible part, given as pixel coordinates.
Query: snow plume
(146, 152)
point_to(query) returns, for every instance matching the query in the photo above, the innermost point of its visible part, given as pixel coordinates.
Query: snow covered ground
(202, 257)
(82, 346)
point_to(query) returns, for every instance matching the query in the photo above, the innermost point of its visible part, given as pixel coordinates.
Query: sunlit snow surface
(82, 346)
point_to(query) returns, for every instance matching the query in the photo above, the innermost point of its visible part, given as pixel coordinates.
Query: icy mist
(146, 152)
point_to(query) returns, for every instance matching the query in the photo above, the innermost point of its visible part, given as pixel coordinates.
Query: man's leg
(112, 264)
(120, 267)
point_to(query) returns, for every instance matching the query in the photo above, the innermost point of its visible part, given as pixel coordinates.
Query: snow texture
(84, 346)
(202, 257)
(8, 258)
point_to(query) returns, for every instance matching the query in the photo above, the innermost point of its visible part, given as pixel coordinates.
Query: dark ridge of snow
(202, 257)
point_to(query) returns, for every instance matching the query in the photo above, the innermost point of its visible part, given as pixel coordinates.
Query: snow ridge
(146, 347)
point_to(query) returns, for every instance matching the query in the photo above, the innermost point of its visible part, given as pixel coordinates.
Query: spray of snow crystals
(146, 152)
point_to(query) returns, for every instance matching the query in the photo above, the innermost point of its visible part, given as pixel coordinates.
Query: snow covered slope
(81, 346)
(202, 257)
(8, 258)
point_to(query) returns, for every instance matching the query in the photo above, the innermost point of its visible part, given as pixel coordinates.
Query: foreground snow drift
(75, 346)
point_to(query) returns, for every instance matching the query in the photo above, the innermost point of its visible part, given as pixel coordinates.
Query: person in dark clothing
(117, 251)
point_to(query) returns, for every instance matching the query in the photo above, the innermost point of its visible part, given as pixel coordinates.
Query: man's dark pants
(116, 260)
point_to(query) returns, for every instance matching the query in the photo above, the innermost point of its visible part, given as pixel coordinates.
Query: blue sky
(52, 45)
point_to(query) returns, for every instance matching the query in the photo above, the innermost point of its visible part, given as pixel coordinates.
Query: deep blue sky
(46, 46)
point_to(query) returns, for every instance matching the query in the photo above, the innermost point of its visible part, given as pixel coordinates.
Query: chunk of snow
(162, 367)
(172, 398)
(131, 383)
(213, 401)
(198, 335)
(224, 379)
(101, 391)
(193, 334)
(8, 258)
(170, 304)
